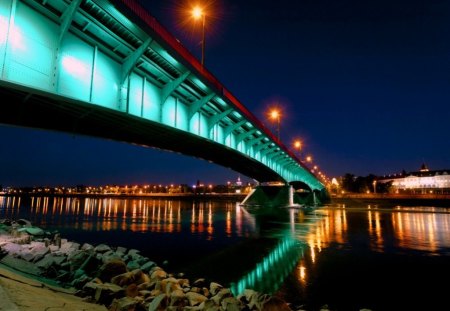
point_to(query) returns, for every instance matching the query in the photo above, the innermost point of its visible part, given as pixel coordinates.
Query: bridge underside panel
(31, 109)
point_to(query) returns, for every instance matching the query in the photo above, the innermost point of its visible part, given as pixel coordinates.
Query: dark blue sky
(364, 84)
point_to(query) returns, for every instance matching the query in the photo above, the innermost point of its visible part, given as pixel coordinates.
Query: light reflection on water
(198, 229)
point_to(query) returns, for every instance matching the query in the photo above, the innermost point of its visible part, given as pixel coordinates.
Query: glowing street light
(298, 146)
(275, 115)
(198, 13)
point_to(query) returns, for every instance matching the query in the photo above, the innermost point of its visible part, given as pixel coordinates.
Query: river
(347, 256)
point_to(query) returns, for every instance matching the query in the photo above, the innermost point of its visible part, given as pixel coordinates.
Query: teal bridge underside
(106, 68)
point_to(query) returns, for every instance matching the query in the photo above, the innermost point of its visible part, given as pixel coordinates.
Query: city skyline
(364, 86)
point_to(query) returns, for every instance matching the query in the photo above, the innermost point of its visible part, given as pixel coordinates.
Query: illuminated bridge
(106, 68)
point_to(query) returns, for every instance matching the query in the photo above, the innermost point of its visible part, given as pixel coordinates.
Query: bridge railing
(179, 48)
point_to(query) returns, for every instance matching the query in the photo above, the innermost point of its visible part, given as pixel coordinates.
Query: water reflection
(136, 215)
(270, 272)
(424, 229)
(298, 238)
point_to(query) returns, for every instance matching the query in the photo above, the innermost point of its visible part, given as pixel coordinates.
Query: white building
(423, 181)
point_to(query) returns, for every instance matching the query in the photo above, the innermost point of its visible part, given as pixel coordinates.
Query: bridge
(107, 68)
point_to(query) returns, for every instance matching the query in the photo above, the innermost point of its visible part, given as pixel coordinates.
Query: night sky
(364, 84)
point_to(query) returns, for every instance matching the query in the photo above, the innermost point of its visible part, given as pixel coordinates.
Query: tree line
(364, 184)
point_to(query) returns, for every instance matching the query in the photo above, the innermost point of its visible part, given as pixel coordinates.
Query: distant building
(423, 181)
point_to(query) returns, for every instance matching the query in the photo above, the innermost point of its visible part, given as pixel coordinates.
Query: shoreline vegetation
(52, 272)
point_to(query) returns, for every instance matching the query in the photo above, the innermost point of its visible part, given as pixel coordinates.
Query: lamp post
(197, 13)
(275, 115)
(298, 146)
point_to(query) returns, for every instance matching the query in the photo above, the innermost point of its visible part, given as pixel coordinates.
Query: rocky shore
(119, 279)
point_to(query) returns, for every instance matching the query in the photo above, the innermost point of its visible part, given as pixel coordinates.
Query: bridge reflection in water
(297, 237)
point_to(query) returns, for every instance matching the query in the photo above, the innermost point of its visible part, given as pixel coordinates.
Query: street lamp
(298, 146)
(197, 13)
(275, 115)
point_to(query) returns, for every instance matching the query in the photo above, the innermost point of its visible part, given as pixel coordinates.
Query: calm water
(347, 256)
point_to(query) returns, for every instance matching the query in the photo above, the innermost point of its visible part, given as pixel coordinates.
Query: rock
(123, 304)
(177, 298)
(35, 231)
(195, 299)
(231, 304)
(133, 252)
(39, 251)
(27, 255)
(214, 288)
(102, 248)
(132, 265)
(183, 282)
(146, 267)
(110, 269)
(45, 262)
(110, 255)
(121, 250)
(24, 223)
(199, 282)
(81, 281)
(131, 290)
(158, 303)
(87, 247)
(135, 276)
(209, 305)
(20, 264)
(103, 293)
(69, 247)
(158, 274)
(76, 259)
(169, 285)
(12, 248)
(123, 279)
(59, 260)
(222, 294)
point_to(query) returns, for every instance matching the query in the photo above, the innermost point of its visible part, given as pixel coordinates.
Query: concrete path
(19, 293)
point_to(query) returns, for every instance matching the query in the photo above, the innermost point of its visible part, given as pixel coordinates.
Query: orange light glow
(197, 12)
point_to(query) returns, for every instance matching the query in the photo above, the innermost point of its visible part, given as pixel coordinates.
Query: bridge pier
(267, 197)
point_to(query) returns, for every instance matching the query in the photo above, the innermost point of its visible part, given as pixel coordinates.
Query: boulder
(158, 303)
(147, 266)
(132, 265)
(231, 304)
(110, 269)
(35, 231)
(103, 293)
(222, 294)
(12, 248)
(214, 288)
(24, 223)
(195, 299)
(102, 248)
(87, 247)
(158, 274)
(123, 304)
(177, 298)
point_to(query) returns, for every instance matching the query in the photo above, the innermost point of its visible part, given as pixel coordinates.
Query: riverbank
(40, 270)
(392, 200)
(237, 197)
